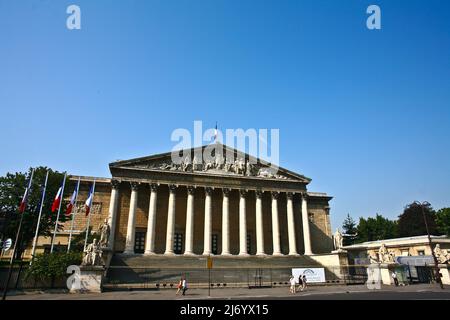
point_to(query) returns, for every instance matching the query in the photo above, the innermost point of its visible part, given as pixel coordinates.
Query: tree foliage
(350, 231)
(50, 266)
(12, 188)
(377, 228)
(443, 221)
(411, 221)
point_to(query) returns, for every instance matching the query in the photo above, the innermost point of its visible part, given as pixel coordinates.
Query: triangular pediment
(214, 159)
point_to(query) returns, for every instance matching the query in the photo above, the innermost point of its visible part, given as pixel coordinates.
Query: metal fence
(166, 278)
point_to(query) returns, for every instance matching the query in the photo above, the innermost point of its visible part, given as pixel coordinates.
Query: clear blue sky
(364, 113)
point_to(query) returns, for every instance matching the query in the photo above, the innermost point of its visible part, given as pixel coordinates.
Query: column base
(244, 254)
(294, 254)
(189, 254)
(308, 254)
(207, 254)
(227, 254)
(169, 253)
(261, 254)
(278, 254)
(149, 253)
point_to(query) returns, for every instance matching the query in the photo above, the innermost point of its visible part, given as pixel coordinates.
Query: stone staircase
(158, 272)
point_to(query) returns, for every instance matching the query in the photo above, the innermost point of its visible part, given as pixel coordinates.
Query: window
(249, 243)
(139, 242)
(421, 252)
(178, 243)
(214, 244)
(311, 217)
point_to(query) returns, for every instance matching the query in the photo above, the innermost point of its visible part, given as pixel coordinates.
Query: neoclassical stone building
(238, 207)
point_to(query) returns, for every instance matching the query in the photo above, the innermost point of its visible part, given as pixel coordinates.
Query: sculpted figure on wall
(92, 255)
(441, 255)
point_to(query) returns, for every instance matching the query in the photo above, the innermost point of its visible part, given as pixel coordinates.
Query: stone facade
(233, 207)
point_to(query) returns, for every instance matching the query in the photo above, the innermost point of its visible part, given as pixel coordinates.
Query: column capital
(191, 190)
(172, 188)
(134, 186)
(290, 195)
(304, 195)
(209, 191)
(243, 193)
(226, 191)
(259, 194)
(115, 184)
(275, 195)
(153, 187)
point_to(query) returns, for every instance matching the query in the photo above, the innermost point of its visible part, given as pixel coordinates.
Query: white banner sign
(313, 275)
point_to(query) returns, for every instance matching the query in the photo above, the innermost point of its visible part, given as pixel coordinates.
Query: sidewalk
(223, 293)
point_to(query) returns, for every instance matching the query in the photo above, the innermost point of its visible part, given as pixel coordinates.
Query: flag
(57, 200)
(71, 203)
(88, 202)
(23, 203)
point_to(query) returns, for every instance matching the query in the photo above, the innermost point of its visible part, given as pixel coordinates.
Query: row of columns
(189, 236)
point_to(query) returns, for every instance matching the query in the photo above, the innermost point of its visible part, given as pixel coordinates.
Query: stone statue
(249, 169)
(186, 163)
(105, 230)
(338, 240)
(441, 255)
(373, 259)
(197, 165)
(385, 256)
(93, 255)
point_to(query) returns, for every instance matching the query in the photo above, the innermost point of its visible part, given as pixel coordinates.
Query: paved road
(322, 292)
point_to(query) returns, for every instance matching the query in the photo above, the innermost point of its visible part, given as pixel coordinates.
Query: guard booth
(419, 268)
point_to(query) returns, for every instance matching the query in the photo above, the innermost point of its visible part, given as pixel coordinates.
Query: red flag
(23, 203)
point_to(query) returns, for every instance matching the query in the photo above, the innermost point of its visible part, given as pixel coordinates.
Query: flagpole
(36, 235)
(5, 290)
(59, 210)
(89, 217)
(73, 215)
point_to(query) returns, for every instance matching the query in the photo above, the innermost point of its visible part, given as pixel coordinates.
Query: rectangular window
(214, 244)
(421, 252)
(178, 243)
(249, 243)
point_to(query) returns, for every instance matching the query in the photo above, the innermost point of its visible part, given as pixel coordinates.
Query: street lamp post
(436, 273)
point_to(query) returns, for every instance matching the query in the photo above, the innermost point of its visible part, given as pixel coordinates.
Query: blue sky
(364, 113)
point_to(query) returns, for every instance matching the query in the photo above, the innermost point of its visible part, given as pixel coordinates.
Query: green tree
(377, 228)
(443, 221)
(350, 231)
(12, 188)
(411, 221)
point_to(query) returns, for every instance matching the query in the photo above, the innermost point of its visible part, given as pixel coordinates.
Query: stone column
(112, 216)
(151, 224)
(242, 224)
(226, 222)
(129, 243)
(275, 225)
(208, 222)
(291, 225)
(189, 247)
(305, 220)
(259, 225)
(170, 220)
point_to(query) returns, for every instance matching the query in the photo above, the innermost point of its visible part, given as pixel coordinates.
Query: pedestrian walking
(292, 283)
(179, 286)
(300, 283)
(304, 284)
(184, 285)
(394, 276)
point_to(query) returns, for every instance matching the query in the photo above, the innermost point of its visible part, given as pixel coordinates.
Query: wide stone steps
(140, 271)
